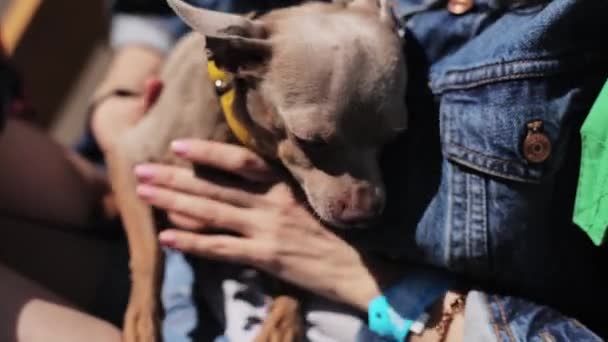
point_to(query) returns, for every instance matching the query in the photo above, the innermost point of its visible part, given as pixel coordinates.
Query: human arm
(30, 312)
(142, 32)
(131, 67)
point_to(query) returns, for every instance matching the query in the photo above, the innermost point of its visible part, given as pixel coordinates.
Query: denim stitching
(563, 58)
(477, 221)
(545, 66)
(484, 229)
(467, 219)
(522, 61)
(441, 85)
(504, 318)
(498, 159)
(449, 218)
(439, 89)
(549, 67)
(493, 173)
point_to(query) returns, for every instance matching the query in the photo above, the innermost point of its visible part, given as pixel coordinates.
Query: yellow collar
(220, 80)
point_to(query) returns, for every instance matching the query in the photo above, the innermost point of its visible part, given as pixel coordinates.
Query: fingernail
(145, 191)
(167, 238)
(144, 172)
(179, 147)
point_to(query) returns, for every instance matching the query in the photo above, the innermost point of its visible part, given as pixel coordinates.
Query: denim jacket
(478, 203)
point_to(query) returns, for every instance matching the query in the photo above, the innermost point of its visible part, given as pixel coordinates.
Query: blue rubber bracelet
(384, 321)
(391, 315)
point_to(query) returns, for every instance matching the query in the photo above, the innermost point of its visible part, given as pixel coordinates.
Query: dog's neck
(248, 117)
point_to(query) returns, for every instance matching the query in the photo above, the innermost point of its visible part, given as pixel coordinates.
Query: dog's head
(327, 82)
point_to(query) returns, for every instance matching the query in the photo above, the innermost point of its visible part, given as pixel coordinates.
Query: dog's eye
(309, 144)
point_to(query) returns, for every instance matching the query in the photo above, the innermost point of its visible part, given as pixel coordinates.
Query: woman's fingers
(186, 222)
(184, 180)
(230, 158)
(222, 247)
(208, 212)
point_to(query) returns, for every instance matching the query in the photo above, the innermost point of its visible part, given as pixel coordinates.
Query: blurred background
(60, 49)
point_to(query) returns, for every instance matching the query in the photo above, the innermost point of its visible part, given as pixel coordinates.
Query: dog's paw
(284, 322)
(141, 323)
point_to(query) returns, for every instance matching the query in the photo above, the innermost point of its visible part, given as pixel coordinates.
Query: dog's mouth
(343, 224)
(353, 225)
(329, 212)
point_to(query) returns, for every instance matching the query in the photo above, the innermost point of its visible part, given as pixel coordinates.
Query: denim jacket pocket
(496, 199)
(484, 126)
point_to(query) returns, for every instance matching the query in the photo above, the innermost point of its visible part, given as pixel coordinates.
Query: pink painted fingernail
(144, 172)
(145, 191)
(167, 238)
(179, 147)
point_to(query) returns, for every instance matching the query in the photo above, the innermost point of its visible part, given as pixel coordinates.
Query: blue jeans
(181, 314)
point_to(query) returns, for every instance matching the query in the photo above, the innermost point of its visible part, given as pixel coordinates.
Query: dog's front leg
(141, 323)
(284, 321)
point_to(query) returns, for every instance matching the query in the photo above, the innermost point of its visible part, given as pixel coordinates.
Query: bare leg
(42, 180)
(49, 200)
(77, 268)
(31, 313)
(44, 188)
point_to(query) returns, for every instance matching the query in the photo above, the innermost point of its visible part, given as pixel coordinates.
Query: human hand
(275, 232)
(116, 115)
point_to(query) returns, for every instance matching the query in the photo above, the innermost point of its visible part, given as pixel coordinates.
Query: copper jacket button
(536, 146)
(460, 6)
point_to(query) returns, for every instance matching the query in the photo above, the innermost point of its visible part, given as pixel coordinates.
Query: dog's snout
(363, 204)
(367, 199)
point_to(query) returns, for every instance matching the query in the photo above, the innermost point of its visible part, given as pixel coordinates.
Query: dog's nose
(366, 204)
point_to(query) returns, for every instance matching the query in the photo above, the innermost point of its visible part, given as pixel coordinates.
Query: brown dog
(319, 87)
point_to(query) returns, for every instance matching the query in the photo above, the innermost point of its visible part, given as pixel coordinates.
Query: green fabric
(591, 208)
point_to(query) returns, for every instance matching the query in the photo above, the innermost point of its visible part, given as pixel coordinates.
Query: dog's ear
(213, 23)
(384, 7)
(237, 44)
(245, 57)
